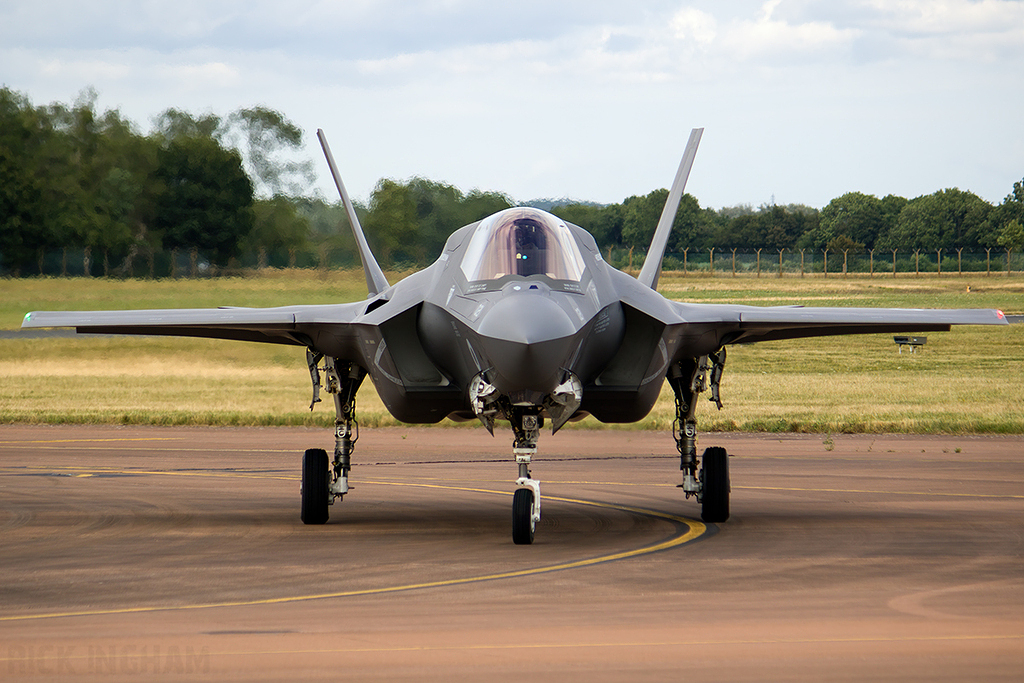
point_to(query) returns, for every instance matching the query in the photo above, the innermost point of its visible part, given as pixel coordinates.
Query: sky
(801, 100)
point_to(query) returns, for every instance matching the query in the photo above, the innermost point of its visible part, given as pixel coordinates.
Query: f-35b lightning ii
(519, 319)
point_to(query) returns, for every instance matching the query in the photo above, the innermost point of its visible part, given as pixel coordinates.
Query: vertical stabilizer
(652, 264)
(375, 280)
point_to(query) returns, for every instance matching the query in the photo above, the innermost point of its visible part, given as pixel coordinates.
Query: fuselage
(521, 300)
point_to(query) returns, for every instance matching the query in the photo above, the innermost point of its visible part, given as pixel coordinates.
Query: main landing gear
(707, 479)
(324, 481)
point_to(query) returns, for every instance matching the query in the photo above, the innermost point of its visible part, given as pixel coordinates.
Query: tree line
(231, 189)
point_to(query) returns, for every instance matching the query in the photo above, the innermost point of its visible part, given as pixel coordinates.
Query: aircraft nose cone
(526, 319)
(527, 339)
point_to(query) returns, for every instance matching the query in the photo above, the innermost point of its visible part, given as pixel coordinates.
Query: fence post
(917, 262)
(193, 261)
(938, 261)
(894, 262)
(1008, 250)
(686, 249)
(323, 260)
(846, 253)
(759, 262)
(960, 261)
(871, 263)
(734, 261)
(711, 261)
(826, 263)
(988, 262)
(780, 261)
(87, 262)
(801, 263)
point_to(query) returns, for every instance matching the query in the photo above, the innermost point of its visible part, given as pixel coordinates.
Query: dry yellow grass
(964, 381)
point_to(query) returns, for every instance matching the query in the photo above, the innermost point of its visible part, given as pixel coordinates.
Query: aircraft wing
(281, 325)
(736, 323)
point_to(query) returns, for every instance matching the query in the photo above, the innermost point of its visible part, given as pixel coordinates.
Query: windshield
(522, 241)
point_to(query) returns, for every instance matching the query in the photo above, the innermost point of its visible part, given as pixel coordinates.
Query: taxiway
(178, 553)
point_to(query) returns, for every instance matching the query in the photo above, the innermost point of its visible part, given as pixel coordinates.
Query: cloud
(594, 88)
(947, 17)
(771, 39)
(962, 30)
(694, 25)
(200, 75)
(74, 68)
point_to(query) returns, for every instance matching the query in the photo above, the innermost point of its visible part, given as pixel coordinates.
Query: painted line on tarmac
(638, 643)
(18, 442)
(943, 494)
(693, 530)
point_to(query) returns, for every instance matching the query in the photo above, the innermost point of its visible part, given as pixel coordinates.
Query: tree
(947, 219)
(855, 215)
(689, 229)
(439, 211)
(479, 204)
(174, 124)
(603, 222)
(842, 243)
(640, 216)
(772, 227)
(23, 228)
(1012, 209)
(207, 199)
(391, 222)
(1013, 205)
(265, 137)
(1012, 236)
(781, 228)
(328, 227)
(278, 227)
(891, 206)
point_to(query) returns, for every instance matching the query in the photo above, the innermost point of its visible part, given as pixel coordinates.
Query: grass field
(965, 381)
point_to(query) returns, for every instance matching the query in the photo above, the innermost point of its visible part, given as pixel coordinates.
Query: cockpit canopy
(522, 241)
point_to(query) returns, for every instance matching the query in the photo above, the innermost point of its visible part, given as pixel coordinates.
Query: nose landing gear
(526, 500)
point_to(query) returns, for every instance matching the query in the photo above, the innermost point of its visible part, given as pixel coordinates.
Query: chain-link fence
(727, 262)
(815, 263)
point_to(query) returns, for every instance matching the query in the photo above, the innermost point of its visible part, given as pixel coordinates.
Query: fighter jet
(519, 320)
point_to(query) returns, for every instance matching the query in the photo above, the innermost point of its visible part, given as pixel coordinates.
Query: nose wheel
(526, 499)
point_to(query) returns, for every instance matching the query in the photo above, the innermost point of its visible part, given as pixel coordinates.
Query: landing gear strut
(323, 482)
(526, 500)
(707, 479)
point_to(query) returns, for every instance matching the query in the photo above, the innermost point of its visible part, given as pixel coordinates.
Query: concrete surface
(177, 554)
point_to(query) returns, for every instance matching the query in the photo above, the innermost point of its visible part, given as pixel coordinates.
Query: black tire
(715, 480)
(522, 517)
(316, 482)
